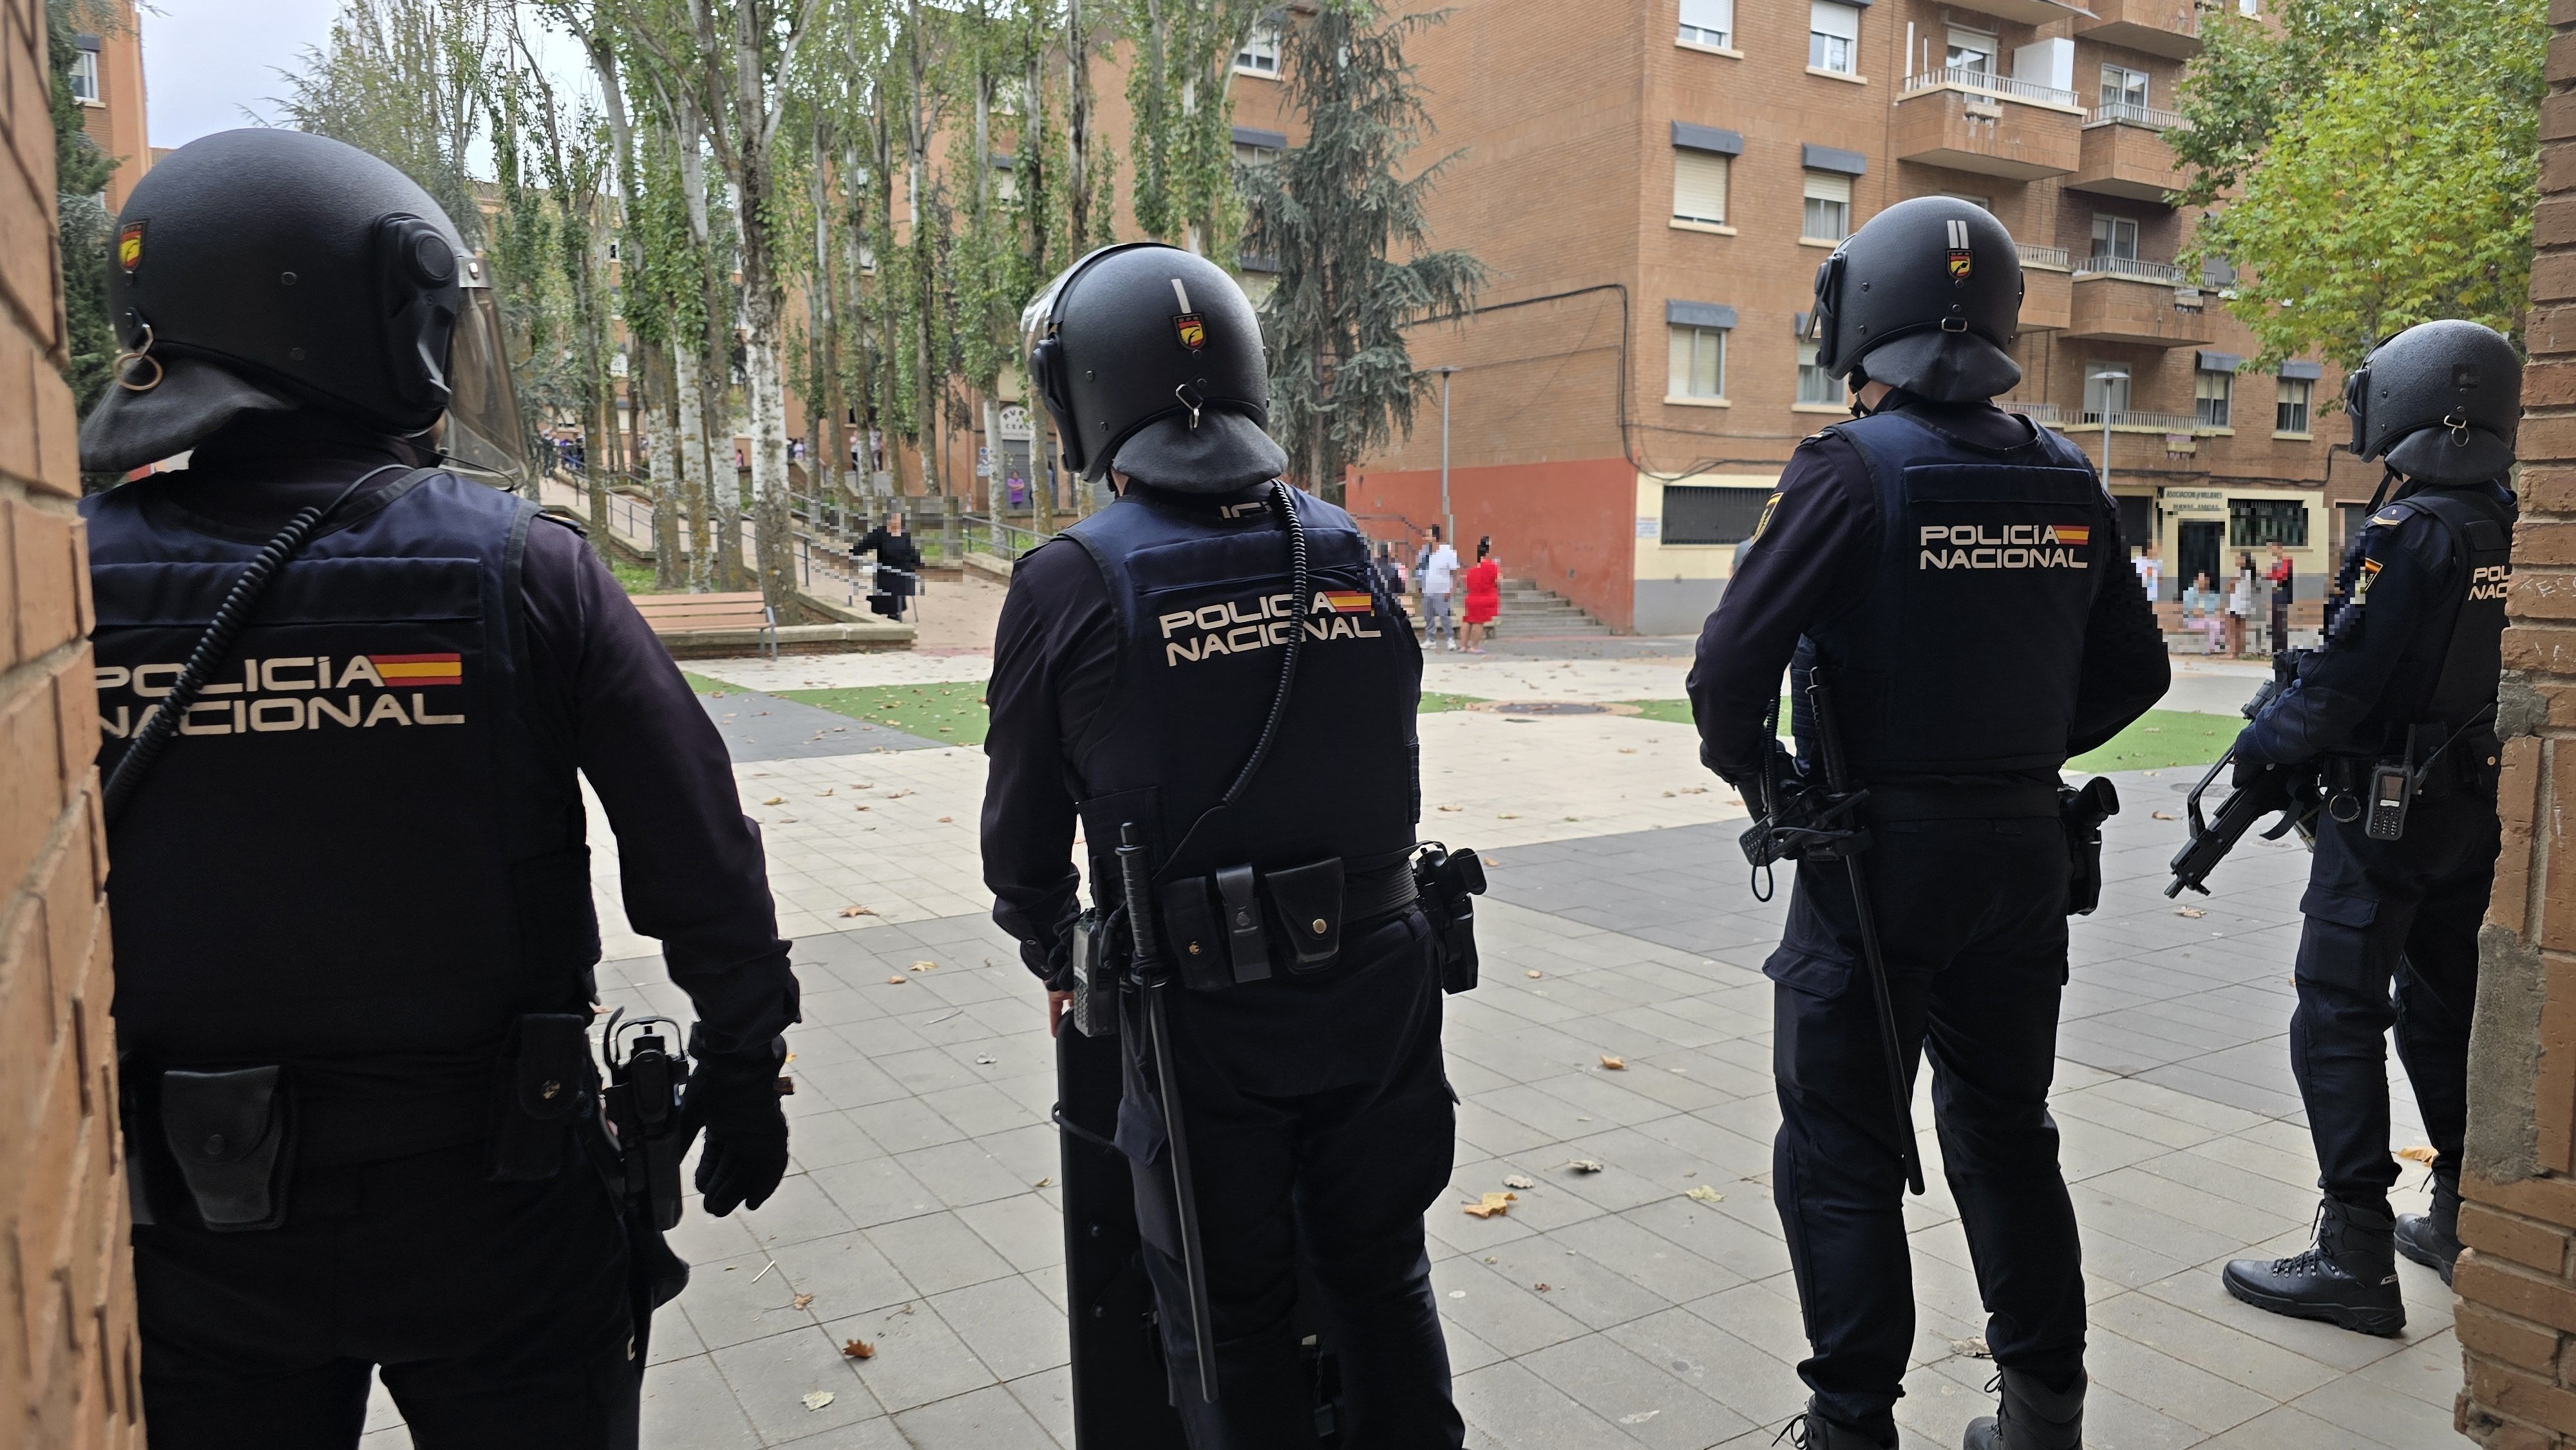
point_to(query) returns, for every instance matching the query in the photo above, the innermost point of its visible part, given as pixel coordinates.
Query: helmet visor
(484, 432)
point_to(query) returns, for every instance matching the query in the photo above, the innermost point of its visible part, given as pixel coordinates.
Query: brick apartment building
(1653, 183)
(107, 80)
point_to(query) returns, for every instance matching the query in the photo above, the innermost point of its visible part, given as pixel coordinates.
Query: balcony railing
(2037, 256)
(2121, 113)
(2047, 415)
(2136, 269)
(2139, 422)
(1954, 77)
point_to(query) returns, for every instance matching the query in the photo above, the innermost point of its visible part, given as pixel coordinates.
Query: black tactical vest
(1963, 655)
(2449, 669)
(1205, 605)
(355, 859)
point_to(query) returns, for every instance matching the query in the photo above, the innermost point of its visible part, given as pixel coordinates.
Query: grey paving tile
(1514, 1407)
(919, 1359)
(1024, 1229)
(875, 1190)
(1648, 1402)
(733, 1301)
(1048, 1397)
(990, 1418)
(687, 1406)
(1499, 1310)
(962, 1173)
(798, 1210)
(937, 1252)
(771, 1377)
(1009, 1324)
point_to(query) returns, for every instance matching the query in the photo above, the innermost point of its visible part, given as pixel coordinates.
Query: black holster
(545, 1086)
(1448, 883)
(2083, 809)
(231, 1136)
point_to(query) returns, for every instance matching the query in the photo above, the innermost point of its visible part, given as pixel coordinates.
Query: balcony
(2020, 12)
(2125, 299)
(1987, 124)
(2134, 422)
(2124, 154)
(2170, 28)
(2047, 297)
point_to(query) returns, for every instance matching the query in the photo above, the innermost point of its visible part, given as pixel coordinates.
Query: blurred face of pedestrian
(2199, 581)
(894, 522)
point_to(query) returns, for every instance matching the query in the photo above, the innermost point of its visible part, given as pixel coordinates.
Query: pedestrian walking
(362, 1116)
(1959, 748)
(1484, 588)
(2240, 606)
(2151, 571)
(1438, 569)
(1273, 1081)
(1390, 570)
(2279, 576)
(2395, 713)
(898, 567)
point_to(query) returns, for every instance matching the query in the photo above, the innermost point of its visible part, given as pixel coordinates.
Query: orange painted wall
(1570, 526)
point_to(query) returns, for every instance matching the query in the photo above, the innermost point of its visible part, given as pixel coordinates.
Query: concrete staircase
(1532, 612)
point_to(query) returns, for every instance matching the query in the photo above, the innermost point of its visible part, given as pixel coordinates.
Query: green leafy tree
(1335, 216)
(403, 80)
(2370, 166)
(81, 170)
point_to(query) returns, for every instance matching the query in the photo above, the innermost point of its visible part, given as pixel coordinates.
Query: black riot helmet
(2440, 401)
(1926, 297)
(1150, 358)
(266, 270)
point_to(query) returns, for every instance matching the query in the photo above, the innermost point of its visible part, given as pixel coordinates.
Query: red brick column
(2517, 1284)
(68, 1357)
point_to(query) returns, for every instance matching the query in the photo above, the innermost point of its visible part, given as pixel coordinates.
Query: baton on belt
(1839, 788)
(1151, 974)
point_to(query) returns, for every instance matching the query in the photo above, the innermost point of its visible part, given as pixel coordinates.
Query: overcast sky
(207, 61)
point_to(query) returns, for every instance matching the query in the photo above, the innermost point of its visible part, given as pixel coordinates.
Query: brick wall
(2517, 1284)
(68, 1357)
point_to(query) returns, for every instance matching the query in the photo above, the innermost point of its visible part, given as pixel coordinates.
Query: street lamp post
(1448, 521)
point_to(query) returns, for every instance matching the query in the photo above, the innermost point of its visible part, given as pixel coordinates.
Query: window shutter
(1699, 187)
(1826, 17)
(1717, 15)
(1826, 186)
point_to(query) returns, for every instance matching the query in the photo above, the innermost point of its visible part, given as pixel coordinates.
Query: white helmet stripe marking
(1182, 293)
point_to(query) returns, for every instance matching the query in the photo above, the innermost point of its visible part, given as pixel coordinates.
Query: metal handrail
(1007, 536)
(2034, 255)
(2047, 415)
(2008, 87)
(2142, 422)
(2122, 113)
(2136, 269)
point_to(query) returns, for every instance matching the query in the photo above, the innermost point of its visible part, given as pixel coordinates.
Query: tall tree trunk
(924, 299)
(1077, 123)
(719, 548)
(764, 387)
(690, 454)
(650, 385)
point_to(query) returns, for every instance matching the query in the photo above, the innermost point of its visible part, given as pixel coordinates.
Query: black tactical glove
(2247, 772)
(735, 1099)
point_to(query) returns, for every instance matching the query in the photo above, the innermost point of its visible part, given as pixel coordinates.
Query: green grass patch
(1434, 702)
(1670, 712)
(633, 578)
(704, 686)
(2161, 739)
(952, 714)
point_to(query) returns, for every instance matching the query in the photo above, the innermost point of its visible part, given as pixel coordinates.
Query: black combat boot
(2348, 1278)
(1812, 1431)
(2433, 1239)
(2031, 1416)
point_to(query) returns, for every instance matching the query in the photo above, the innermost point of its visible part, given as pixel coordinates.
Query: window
(1699, 187)
(1815, 385)
(1260, 53)
(2249, 8)
(2290, 407)
(85, 76)
(1828, 214)
(1698, 362)
(1006, 182)
(2106, 389)
(2115, 236)
(2255, 522)
(2213, 394)
(2122, 86)
(1833, 36)
(1708, 22)
(1981, 203)
(1971, 50)
(1248, 153)
(1697, 514)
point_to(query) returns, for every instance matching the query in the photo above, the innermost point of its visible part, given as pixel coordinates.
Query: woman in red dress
(1484, 583)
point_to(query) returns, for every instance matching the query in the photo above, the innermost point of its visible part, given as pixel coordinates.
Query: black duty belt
(1891, 804)
(1368, 895)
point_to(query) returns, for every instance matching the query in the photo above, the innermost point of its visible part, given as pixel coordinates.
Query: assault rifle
(2290, 792)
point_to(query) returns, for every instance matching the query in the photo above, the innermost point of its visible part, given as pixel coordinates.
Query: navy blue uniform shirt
(691, 864)
(1815, 556)
(2396, 581)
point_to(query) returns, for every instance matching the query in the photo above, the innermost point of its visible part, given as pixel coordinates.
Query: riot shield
(1121, 1391)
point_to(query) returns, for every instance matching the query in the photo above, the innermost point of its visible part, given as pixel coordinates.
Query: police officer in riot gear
(2395, 711)
(1896, 552)
(1161, 680)
(350, 891)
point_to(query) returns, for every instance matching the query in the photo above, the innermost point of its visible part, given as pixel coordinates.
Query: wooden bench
(682, 614)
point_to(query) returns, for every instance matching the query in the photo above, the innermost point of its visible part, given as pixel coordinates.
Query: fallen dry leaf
(858, 910)
(827, 790)
(1694, 790)
(983, 1061)
(1453, 808)
(924, 966)
(1508, 816)
(1492, 1205)
(2417, 1154)
(776, 800)
(1615, 1064)
(897, 981)
(1043, 1182)
(2164, 815)
(2194, 912)
(944, 820)
(1520, 1180)
(1972, 1347)
(863, 785)
(801, 1301)
(1540, 1286)
(817, 1400)
(1534, 975)
(1585, 1165)
(858, 1349)
(1627, 750)
(1705, 1194)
